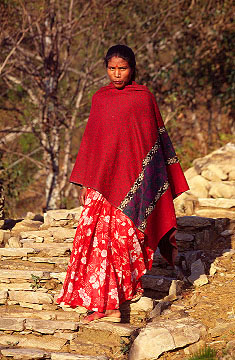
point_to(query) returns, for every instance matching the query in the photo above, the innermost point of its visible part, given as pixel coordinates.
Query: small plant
(125, 346)
(36, 282)
(204, 354)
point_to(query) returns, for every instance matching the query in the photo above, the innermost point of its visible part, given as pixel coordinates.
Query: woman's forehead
(117, 61)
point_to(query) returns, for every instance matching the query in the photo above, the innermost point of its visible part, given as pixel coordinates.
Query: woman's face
(119, 72)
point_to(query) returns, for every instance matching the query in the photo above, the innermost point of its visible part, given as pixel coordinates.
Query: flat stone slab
(162, 336)
(35, 234)
(50, 326)
(157, 283)
(69, 356)
(23, 274)
(58, 275)
(16, 252)
(216, 213)
(114, 328)
(51, 260)
(30, 297)
(193, 221)
(16, 286)
(218, 203)
(51, 249)
(11, 324)
(47, 342)
(24, 354)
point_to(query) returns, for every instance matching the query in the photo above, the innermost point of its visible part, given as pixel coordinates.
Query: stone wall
(1, 205)
(212, 186)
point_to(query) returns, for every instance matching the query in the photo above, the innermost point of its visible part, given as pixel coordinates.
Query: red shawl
(127, 156)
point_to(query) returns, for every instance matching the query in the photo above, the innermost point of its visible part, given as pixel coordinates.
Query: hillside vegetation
(51, 65)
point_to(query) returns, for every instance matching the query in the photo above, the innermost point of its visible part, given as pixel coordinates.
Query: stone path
(34, 258)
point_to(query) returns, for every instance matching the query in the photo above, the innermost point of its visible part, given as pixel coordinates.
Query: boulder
(163, 336)
(199, 186)
(222, 190)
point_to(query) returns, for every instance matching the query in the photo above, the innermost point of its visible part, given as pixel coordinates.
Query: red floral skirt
(109, 257)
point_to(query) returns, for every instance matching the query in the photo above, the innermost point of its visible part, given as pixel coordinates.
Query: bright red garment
(108, 258)
(127, 156)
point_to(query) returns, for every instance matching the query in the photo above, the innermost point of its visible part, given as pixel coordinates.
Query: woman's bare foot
(109, 315)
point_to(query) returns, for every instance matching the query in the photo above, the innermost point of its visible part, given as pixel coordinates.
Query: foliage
(184, 54)
(36, 282)
(204, 354)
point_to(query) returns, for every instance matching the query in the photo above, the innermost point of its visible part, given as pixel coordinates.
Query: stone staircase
(34, 259)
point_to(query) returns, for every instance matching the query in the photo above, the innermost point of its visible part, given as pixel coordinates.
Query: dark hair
(123, 52)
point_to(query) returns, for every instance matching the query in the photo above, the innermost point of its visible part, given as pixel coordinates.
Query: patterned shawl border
(140, 178)
(146, 161)
(151, 207)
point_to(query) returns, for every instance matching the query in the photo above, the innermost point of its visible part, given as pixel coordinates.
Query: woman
(129, 175)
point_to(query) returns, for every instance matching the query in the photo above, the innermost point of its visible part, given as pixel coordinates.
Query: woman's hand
(82, 195)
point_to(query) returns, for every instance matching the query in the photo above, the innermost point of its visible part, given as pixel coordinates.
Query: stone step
(29, 248)
(56, 264)
(33, 354)
(157, 283)
(53, 234)
(51, 331)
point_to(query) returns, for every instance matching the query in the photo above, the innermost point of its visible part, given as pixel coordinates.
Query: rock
(180, 236)
(32, 341)
(30, 297)
(163, 336)
(24, 354)
(50, 326)
(114, 328)
(205, 239)
(176, 287)
(11, 324)
(62, 217)
(199, 187)
(227, 233)
(159, 308)
(4, 236)
(143, 304)
(14, 242)
(69, 356)
(193, 221)
(222, 327)
(197, 269)
(202, 280)
(190, 173)
(216, 213)
(213, 269)
(222, 190)
(192, 256)
(35, 234)
(16, 252)
(185, 204)
(23, 274)
(231, 176)
(62, 233)
(3, 295)
(52, 249)
(159, 283)
(214, 173)
(51, 260)
(228, 252)
(59, 276)
(27, 225)
(194, 348)
(217, 203)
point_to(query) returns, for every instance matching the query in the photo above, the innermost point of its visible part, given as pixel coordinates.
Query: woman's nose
(117, 72)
